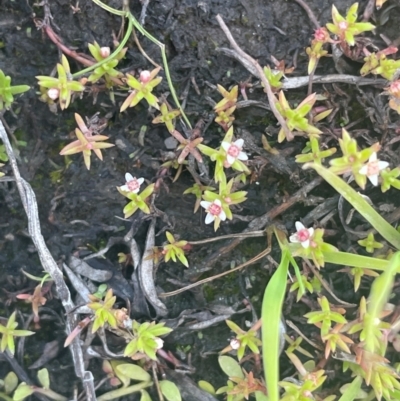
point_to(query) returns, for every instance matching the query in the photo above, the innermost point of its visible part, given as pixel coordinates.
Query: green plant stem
(359, 203)
(136, 24)
(111, 56)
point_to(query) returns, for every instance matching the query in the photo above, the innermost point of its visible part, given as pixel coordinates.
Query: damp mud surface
(80, 209)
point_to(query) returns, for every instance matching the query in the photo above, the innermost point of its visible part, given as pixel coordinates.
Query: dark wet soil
(80, 209)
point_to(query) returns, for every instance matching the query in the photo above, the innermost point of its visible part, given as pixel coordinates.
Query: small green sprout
(316, 51)
(225, 118)
(146, 340)
(313, 153)
(347, 27)
(296, 286)
(86, 143)
(104, 312)
(370, 244)
(142, 89)
(379, 64)
(353, 159)
(389, 179)
(175, 249)
(303, 391)
(8, 333)
(137, 200)
(229, 99)
(7, 91)
(106, 70)
(243, 340)
(274, 78)
(358, 273)
(167, 117)
(197, 190)
(62, 87)
(325, 317)
(335, 338)
(296, 118)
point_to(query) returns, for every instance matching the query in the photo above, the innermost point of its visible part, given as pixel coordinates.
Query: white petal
(230, 159)
(217, 202)
(299, 226)
(305, 244)
(225, 146)
(293, 238)
(373, 157)
(209, 218)
(124, 188)
(239, 143)
(128, 177)
(311, 231)
(242, 156)
(205, 204)
(222, 215)
(363, 170)
(382, 165)
(373, 179)
(136, 191)
(140, 181)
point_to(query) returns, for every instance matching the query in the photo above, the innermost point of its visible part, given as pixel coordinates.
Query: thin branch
(260, 73)
(29, 203)
(309, 12)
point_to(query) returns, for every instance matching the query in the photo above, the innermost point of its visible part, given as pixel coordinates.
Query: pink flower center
(320, 34)
(214, 209)
(233, 151)
(133, 185)
(372, 168)
(303, 235)
(343, 25)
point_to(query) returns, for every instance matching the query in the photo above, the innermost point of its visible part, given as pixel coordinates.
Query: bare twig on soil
(369, 10)
(297, 82)
(309, 12)
(30, 205)
(260, 73)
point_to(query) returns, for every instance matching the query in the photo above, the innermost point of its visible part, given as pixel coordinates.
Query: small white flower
(214, 210)
(302, 236)
(53, 93)
(234, 151)
(372, 169)
(159, 342)
(235, 343)
(132, 184)
(105, 51)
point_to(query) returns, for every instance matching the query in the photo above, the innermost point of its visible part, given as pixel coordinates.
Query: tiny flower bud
(104, 52)
(235, 343)
(53, 93)
(159, 342)
(144, 76)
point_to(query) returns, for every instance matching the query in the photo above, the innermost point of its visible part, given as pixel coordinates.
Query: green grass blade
(271, 315)
(360, 204)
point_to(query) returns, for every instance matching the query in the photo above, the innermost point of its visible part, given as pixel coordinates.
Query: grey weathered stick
(29, 203)
(146, 273)
(260, 73)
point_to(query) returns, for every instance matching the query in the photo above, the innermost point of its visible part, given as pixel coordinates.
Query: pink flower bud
(104, 52)
(144, 76)
(53, 93)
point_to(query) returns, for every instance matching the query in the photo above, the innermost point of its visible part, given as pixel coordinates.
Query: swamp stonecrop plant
(7, 91)
(63, 87)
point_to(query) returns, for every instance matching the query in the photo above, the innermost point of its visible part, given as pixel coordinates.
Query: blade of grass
(359, 203)
(353, 260)
(271, 315)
